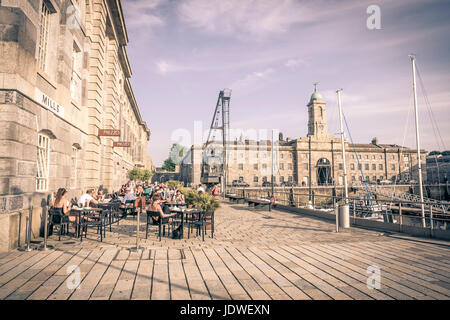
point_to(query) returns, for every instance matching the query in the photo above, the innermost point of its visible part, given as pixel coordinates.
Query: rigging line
(431, 114)
(359, 164)
(405, 131)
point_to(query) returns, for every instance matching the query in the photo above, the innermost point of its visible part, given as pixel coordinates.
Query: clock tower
(317, 116)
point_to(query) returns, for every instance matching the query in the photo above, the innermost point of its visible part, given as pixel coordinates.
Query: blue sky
(270, 52)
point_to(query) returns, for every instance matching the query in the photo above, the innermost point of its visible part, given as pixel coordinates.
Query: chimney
(280, 136)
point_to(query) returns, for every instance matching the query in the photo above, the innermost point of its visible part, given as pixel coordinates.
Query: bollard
(344, 216)
(44, 248)
(336, 212)
(30, 220)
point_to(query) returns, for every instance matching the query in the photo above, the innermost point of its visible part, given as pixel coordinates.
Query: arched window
(43, 160)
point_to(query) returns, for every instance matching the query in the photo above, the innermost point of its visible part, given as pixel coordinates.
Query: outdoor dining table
(182, 214)
(78, 212)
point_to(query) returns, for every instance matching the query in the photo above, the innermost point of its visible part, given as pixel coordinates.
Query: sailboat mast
(343, 145)
(419, 162)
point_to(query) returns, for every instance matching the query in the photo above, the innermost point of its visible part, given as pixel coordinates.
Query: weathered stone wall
(101, 99)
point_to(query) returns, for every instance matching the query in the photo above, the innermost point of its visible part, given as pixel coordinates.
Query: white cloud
(143, 13)
(162, 67)
(253, 80)
(294, 63)
(234, 17)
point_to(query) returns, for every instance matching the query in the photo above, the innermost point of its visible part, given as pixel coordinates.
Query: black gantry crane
(214, 161)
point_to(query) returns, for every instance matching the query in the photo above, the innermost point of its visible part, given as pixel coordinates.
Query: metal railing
(388, 192)
(395, 211)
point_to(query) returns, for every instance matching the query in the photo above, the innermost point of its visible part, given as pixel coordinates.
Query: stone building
(64, 75)
(315, 159)
(438, 168)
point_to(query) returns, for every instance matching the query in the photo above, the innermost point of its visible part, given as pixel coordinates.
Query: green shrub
(204, 200)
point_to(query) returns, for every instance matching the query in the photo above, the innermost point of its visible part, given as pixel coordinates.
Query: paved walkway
(254, 255)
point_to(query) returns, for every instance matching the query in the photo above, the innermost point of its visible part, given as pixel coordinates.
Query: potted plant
(207, 203)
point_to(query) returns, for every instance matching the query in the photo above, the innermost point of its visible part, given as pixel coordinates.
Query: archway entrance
(324, 172)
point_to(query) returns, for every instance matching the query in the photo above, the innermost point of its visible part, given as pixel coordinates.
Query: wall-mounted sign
(108, 133)
(122, 144)
(48, 103)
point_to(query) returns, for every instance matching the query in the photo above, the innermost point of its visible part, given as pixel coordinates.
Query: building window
(290, 178)
(264, 166)
(73, 172)
(255, 166)
(353, 178)
(290, 166)
(281, 179)
(359, 166)
(241, 178)
(264, 179)
(43, 156)
(255, 179)
(241, 166)
(306, 166)
(43, 38)
(392, 166)
(374, 166)
(352, 166)
(381, 177)
(374, 178)
(281, 166)
(373, 156)
(380, 166)
(282, 156)
(341, 166)
(366, 167)
(381, 157)
(367, 156)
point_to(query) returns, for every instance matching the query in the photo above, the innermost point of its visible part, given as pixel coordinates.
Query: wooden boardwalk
(254, 255)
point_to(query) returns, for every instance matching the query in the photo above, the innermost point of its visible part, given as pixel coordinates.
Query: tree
(433, 153)
(446, 153)
(134, 174)
(147, 175)
(169, 165)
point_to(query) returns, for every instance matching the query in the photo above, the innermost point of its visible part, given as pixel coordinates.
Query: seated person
(178, 197)
(156, 207)
(100, 195)
(62, 203)
(87, 199)
(128, 196)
